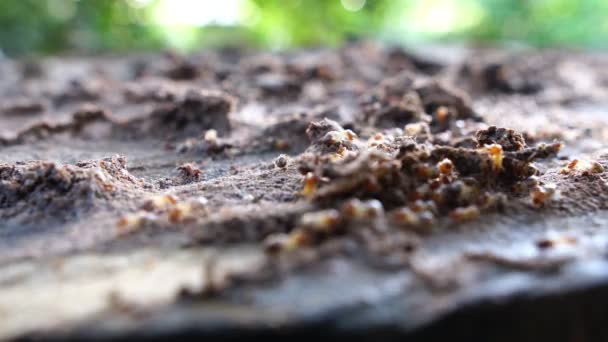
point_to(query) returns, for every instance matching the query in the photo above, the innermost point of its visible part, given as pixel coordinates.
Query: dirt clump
(195, 112)
(45, 189)
(507, 138)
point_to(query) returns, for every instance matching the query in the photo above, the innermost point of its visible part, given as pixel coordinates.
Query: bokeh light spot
(353, 5)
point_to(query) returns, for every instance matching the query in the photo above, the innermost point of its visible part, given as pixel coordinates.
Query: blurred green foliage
(299, 23)
(54, 26)
(578, 23)
(51, 26)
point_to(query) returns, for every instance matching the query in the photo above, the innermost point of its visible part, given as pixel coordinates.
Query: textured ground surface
(153, 196)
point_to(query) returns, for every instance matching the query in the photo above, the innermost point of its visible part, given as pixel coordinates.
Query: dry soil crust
(363, 191)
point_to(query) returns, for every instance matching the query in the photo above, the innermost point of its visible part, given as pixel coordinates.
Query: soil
(363, 190)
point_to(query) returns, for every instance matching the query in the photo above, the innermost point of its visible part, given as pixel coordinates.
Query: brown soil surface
(231, 193)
